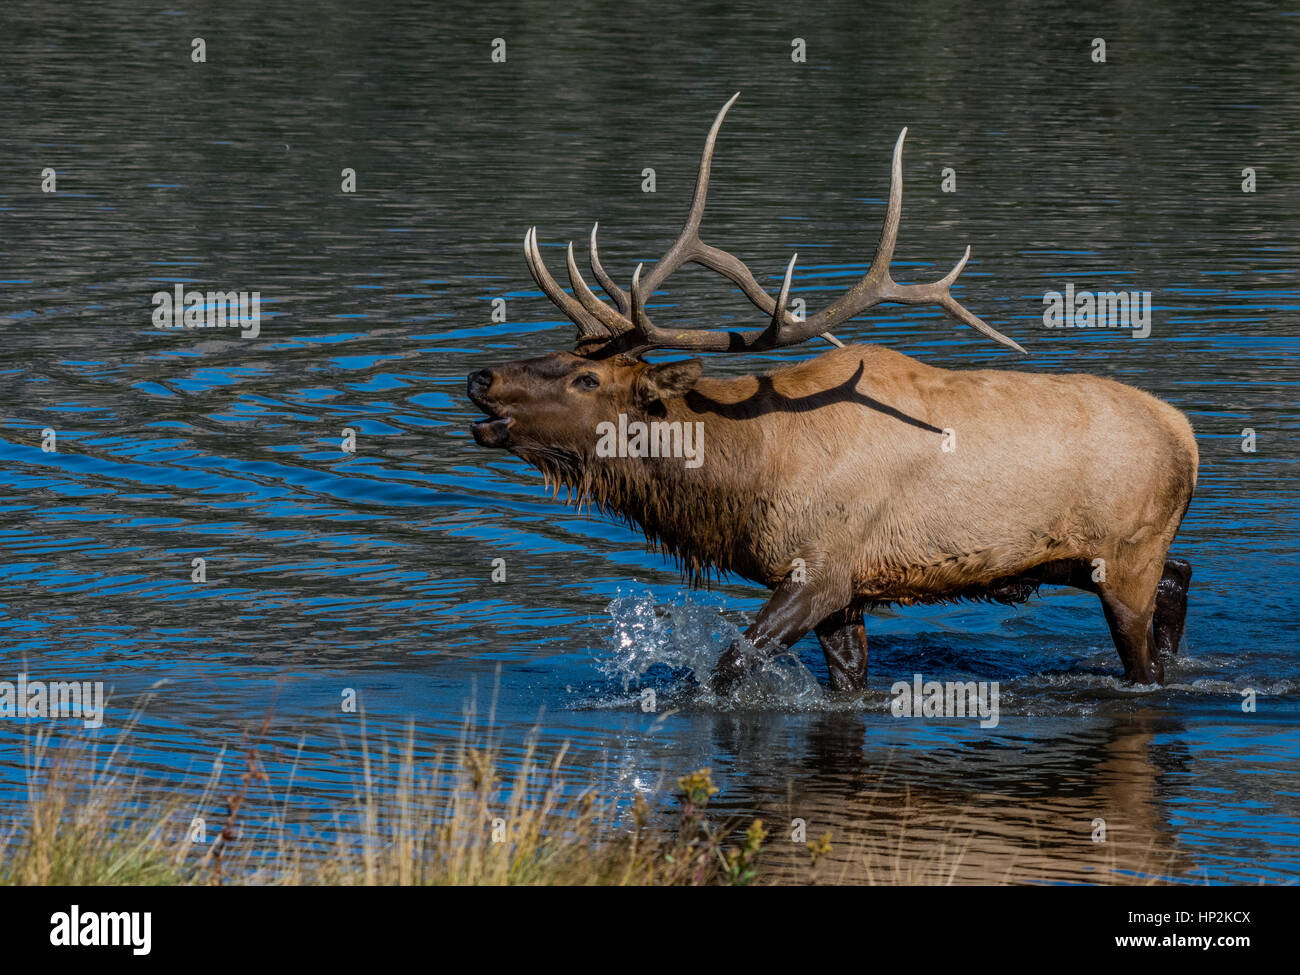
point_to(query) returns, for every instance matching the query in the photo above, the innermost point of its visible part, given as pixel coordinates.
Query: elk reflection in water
(1083, 808)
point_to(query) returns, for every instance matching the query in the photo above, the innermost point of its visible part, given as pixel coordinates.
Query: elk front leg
(844, 643)
(793, 610)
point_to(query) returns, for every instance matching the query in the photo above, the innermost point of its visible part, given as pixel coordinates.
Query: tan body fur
(839, 461)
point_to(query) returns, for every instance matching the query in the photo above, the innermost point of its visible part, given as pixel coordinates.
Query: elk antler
(632, 325)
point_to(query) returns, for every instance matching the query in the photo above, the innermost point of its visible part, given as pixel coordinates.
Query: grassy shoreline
(86, 821)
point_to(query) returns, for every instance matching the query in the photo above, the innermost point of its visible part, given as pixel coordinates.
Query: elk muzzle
(494, 431)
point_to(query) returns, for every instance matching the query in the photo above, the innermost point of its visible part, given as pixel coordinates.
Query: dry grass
(85, 821)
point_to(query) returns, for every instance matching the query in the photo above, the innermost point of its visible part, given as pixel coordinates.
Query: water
(372, 571)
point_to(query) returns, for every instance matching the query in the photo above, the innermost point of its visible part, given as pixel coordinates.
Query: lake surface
(373, 571)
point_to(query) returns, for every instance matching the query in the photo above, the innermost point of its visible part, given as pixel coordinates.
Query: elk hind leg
(1171, 606)
(1128, 599)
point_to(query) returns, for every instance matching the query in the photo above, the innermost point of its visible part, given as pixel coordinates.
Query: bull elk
(861, 477)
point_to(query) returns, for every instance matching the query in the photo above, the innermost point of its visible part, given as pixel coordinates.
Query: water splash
(686, 637)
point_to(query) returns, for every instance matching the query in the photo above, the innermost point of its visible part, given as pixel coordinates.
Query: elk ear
(668, 379)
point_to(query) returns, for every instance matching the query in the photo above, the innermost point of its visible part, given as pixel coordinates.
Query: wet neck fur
(702, 517)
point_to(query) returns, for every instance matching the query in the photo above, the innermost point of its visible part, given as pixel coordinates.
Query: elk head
(547, 409)
(553, 404)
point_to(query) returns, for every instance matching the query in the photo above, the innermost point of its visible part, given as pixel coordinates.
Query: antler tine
(611, 319)
(893, 213)
(609, 284)
(645, 329)
(938, 292)
(772, 333)
(588, 325)
(688, 240)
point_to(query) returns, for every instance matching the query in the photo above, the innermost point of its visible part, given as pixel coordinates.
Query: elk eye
(587, 381)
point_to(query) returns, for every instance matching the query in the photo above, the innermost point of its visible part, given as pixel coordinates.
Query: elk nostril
(479, 381)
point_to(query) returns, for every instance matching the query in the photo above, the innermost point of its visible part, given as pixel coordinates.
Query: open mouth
(492, 431)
